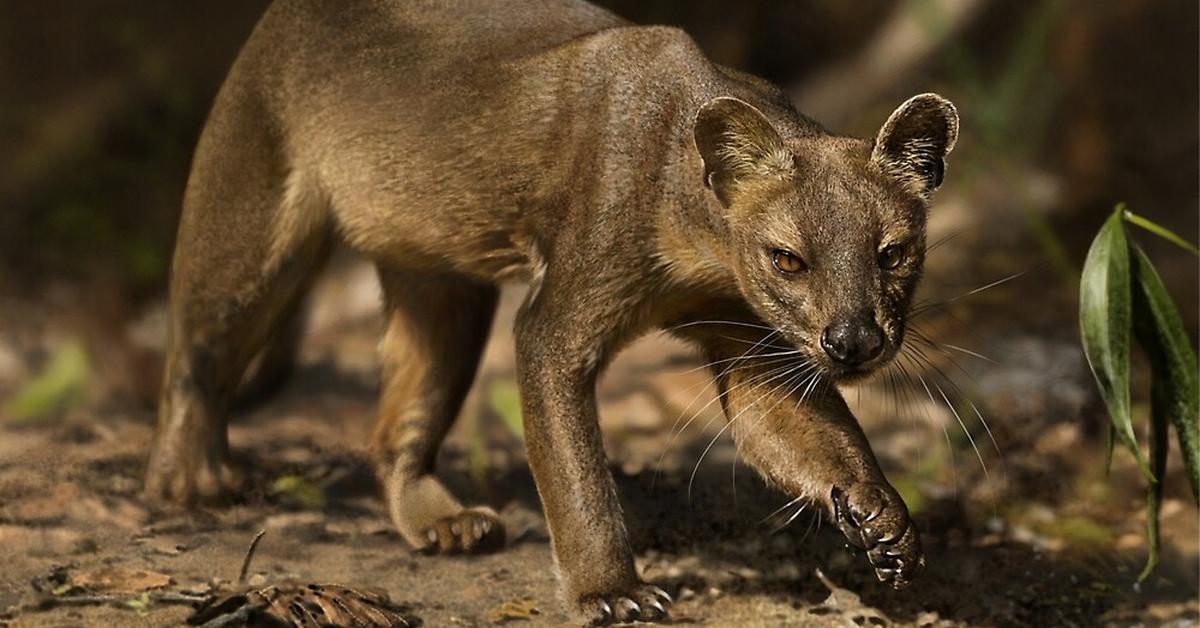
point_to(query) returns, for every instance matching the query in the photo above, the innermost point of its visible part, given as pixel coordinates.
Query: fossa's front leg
(558, 349)
(798, 433)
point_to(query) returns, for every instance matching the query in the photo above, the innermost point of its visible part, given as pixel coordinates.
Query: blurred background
(1068, 107)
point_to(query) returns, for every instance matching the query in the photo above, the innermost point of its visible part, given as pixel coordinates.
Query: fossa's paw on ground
(874, 518)
(192, 480)
(643, 602)
(472, 531)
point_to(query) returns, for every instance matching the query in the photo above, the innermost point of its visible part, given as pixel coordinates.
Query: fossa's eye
(787, 262)
(891, 257)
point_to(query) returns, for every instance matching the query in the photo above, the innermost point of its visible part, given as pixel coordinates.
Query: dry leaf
(120, 580)
(305, 606)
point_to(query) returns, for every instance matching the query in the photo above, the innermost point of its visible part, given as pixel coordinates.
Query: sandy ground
(1040, 538)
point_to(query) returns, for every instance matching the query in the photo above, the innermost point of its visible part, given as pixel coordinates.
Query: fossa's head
(829, 232)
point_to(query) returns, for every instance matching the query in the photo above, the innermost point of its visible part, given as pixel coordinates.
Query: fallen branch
(249, 557)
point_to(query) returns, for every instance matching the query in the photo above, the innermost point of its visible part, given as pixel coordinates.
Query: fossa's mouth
(843, 374)
(854, 375)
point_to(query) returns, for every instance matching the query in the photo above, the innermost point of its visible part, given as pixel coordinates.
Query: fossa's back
(448, 110)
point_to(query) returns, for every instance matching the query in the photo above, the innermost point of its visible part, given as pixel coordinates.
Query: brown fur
(634, 184)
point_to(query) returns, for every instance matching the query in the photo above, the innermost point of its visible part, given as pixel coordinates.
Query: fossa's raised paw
(472, 531)
(874, 518)
(644, 602)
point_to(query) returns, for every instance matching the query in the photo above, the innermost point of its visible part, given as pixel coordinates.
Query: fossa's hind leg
(252, 235)
(436, 330)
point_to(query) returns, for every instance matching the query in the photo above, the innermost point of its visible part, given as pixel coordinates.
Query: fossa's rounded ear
(737, 143)
(913, 143)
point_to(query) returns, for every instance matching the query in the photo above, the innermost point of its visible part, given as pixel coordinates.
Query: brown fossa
(635, 185)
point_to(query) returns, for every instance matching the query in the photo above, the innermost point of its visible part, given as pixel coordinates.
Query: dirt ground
(1039, 537)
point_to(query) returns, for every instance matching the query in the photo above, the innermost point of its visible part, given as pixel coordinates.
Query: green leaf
(1157, 230)
(1104, 322)
(1159, 439)
(59, 386)
(505, 400)
(1110, 439)
(299, 492)
(1175, 386)
(477, 455)
(141, 603)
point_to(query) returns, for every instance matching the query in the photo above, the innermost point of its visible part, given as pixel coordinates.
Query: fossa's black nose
(853, 340)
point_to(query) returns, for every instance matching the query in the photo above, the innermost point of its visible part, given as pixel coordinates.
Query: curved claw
(644, 602)
(874, 518)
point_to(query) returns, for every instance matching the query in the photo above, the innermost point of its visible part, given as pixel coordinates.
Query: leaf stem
(1157, 230)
